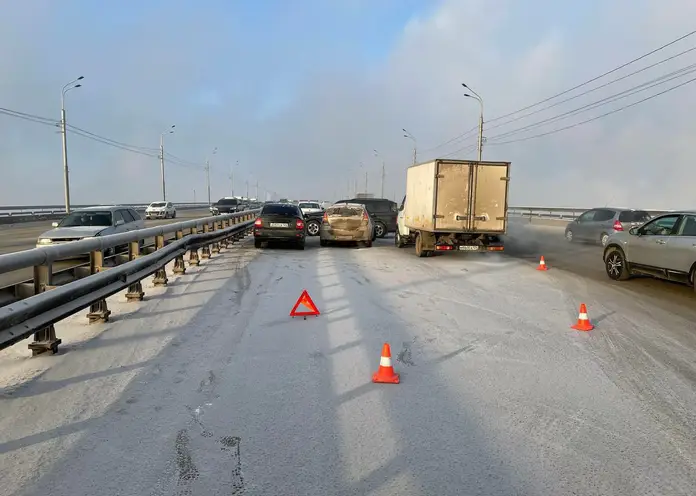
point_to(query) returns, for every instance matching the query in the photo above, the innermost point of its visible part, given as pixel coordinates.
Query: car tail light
(618, 226)
(299, 224)
(258, 222)
(325, 218)
(365, 216)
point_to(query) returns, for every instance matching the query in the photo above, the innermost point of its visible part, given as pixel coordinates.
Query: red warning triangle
(307, 302)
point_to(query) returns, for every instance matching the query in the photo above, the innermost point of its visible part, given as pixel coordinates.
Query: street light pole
(232, 177)
(477, 97)
(415, 145)
(207, 174)
(164, 190)
(383, 173)
(66, 176)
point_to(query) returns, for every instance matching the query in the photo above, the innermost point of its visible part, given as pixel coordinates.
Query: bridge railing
(559, 213)
(33, 306)
(29, 213)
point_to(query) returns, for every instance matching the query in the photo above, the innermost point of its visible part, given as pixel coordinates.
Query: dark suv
(383, 212)
(226, 206)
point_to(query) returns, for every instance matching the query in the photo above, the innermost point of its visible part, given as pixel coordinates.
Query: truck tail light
(444, 247)
(618, 226)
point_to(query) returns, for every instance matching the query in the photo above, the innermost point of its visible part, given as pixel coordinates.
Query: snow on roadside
(17, 366)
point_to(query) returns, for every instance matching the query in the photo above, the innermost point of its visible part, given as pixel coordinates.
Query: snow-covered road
(209, 388)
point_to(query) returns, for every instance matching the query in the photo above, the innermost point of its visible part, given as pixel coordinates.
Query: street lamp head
(464, 84)
(80, 78)
(468, 95)
(77, 86)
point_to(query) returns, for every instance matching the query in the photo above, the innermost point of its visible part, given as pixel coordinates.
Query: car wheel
(569, 235)
(257, 243)
(616, 266)
(693, 278)
(313, 228)
(398, 240)
(173, 215)
(380, 230)
(603, 239)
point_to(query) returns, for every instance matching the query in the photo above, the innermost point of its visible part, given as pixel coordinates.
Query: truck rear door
(452, 196)
(490, 197)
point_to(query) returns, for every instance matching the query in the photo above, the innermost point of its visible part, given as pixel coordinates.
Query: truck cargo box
(458, 196)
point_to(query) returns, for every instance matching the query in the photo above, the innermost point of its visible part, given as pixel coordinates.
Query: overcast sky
(297, 94)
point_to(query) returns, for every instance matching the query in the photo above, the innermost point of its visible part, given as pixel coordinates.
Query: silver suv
(598, 224)
(664, 248)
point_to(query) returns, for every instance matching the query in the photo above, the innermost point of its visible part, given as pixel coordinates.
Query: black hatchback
(280, 222)
(383, 212)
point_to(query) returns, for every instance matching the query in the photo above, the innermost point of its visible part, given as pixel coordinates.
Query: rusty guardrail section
(38, 304)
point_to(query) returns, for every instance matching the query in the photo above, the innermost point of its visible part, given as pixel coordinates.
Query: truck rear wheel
(419, 247)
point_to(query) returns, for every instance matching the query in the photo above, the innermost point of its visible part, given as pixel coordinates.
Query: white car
(310, 207)
(160, 210)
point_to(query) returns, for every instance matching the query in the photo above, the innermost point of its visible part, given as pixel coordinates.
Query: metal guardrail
(36, 305)
(29, 213)
(560, 213)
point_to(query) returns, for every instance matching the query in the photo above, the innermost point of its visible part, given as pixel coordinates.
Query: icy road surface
(209, 388)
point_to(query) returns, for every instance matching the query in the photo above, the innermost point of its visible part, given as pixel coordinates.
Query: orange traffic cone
(584, 323)
(385, 373)
(542, 264)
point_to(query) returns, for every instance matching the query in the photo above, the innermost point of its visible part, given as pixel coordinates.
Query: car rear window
(634, 216)
(309, 205)
(228, 202)
(344, 212)
(279, 210)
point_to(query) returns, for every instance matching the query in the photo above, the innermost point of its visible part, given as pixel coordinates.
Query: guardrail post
(44, 339)
(233, 237)
(215, 248)
(98, 311)
(205, 251)
(160, 278)
(224, 243)
(179, 265)
(193, 252)
(135, 290)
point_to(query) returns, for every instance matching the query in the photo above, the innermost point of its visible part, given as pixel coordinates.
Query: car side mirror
(120, 222)
(54, 224)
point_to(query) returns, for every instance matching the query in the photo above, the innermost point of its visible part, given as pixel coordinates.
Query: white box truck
(454, 205)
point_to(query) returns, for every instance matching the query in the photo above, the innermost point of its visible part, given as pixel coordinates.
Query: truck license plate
(468, 248)
(278, 224)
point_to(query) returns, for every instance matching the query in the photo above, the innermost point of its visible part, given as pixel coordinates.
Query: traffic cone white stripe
(583, 316)
(385, 362)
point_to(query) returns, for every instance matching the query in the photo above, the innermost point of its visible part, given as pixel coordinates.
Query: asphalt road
(584, 261)
(208, 387)
(23, 236)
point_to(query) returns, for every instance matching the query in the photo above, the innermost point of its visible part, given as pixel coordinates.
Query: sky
(297, 96)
